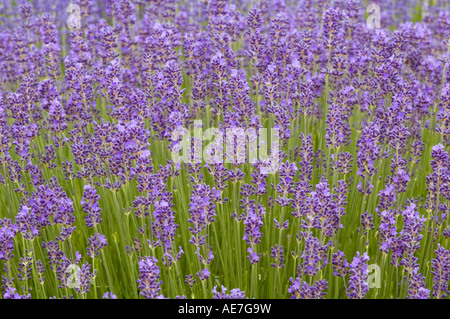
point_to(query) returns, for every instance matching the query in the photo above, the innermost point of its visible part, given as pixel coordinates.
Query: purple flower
(302, 290)
(149, 274)
(340, 265)
(417, 288)
(202, 208)
(95, 244)
(307, 155)
(253, 256)
(202, 211)
(40, 270)
(203, 274)
(57, 117)
(441, 272)
(388, 230)
(26, 223)
(84, 278)
(164, 225)
(90, 205)
(358, 274)
(10, 293)
(55, 254)
(438, 179)
(367, 222)
(109, 295)
(411, 236)
(369, 151)
(190, 280)
(314, 256)
(64, 215)
(234, 293)
(277, 253)
(253, 223)
(24, 272)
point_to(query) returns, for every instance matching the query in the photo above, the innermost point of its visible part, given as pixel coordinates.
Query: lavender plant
(313, 159)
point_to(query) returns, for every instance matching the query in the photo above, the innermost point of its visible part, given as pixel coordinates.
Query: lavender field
(224, 149)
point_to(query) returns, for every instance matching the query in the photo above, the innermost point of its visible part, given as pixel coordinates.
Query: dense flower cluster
(177, 148)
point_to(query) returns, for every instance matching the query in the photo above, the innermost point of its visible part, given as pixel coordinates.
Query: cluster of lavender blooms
(88, 113)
